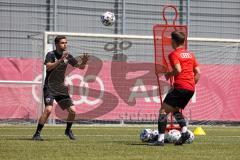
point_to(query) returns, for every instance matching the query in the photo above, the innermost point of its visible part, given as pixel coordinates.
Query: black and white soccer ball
(154, 136)
(149, 135)
(145, 135)
(108, 18)
(191, 138)
(172, 136)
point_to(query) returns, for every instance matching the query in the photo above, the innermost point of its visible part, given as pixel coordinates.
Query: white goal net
(119, 83)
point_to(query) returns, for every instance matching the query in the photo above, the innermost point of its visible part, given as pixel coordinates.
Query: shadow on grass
(138, 144)
(125, 143)
(30, 139)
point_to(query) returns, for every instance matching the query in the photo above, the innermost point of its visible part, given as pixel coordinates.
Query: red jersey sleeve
(173, 59)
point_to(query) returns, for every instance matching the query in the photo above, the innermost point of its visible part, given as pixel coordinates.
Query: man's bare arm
(196, 74)
(176, 70)
(50, 66)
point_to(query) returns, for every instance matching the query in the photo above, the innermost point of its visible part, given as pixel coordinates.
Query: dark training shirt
(54, 80)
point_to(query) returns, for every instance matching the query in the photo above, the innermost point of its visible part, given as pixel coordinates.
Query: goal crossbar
(75, 34)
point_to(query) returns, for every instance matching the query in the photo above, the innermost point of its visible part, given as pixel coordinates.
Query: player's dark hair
(58, 39)
(178, 37)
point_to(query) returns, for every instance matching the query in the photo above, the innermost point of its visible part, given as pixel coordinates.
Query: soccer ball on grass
(191, 139)
(145, 135)
(172, 136)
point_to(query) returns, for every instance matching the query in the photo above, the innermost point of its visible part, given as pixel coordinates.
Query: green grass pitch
(114, 143)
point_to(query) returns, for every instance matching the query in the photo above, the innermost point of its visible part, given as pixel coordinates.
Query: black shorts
(64, 101)
(178, 98)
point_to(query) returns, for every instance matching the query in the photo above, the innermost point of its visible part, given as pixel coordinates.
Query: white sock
(184, 129)
(161, 137)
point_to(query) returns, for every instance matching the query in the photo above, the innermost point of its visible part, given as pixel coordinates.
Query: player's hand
(64, 55)
(82, 61)
(167, 75)
(84, 58)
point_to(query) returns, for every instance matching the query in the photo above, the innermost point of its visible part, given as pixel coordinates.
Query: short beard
(60, 51)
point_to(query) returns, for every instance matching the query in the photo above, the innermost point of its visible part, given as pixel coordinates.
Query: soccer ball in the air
(108, 18)
(173, 135)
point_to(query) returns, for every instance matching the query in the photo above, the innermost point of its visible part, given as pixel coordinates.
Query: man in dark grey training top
(54, 89)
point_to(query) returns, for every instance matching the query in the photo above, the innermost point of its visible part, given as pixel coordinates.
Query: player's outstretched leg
(162, 123)
(41, 122)
(70, 119)
(182, 123)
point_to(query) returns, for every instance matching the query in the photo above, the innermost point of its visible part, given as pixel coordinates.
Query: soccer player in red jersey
(186, 73)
